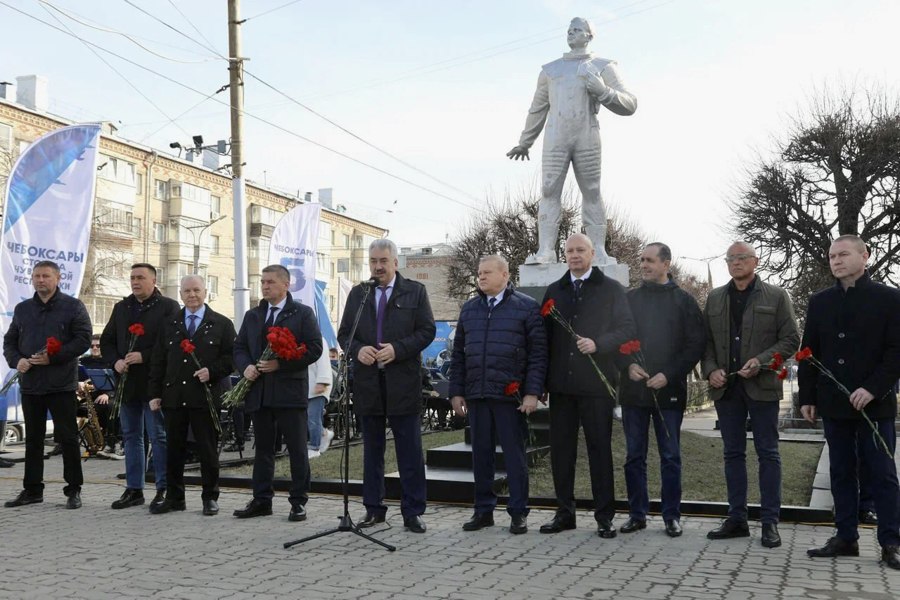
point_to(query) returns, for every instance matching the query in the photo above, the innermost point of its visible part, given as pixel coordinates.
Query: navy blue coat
(286, 387)
(492, 350)
(856, 335)
(62, 317)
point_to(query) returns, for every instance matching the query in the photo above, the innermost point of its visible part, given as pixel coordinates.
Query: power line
(255, 117)
(271, 10)
(173, 28)
(191, 23)
(89, 46)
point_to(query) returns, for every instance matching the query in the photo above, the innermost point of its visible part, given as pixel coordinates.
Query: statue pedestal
(534, 279)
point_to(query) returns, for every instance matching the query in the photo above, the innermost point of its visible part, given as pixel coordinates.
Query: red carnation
(53, 346)
(777, 361)
(136, 329)
(187, 347)
(630, 347)
(803, 354)
(548, 307)
(511, 389)
(782, 374)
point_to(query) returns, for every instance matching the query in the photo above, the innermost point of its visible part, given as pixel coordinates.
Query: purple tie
(379, 314)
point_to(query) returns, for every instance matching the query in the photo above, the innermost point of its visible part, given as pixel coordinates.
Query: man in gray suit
(748, 321)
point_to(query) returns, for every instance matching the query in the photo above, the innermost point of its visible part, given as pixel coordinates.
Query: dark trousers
(62, 407)
(594, 413)
(410, 462)
(292, 424)
(866, 493)
(492, 421)
(880, 469)
(732, 412)
(636, 423)
(199, 421)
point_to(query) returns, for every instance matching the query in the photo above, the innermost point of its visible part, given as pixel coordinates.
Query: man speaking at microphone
(395, 326)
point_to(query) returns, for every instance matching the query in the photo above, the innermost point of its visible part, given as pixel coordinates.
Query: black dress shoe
(673, 528)
(158, 499)
(891, 556)
(74, 500)
(559, 523)
(868, 517)
(479, 521)
(518, 525)
(729, 529)
(254, 508)
(167, 505)
(129, 498)
(605, 529)
(414, 524)
(770, 537)
(370, 520)
(298, 513)
(210, 508)
(632, 525)
(835, 547)
(22, 499)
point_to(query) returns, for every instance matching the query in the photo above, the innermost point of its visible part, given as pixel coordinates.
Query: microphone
(371, 282)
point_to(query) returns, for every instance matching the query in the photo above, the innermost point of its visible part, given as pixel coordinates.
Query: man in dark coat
(500, 342)
(597, 309)
(748, 321)
(279, 395)
(673, 337)
(180, 387)
(147, 306)
(396, 325)
(853, 329)
(47, 380)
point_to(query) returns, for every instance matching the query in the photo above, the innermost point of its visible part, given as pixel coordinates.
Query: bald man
(598, 310)
(747, 322)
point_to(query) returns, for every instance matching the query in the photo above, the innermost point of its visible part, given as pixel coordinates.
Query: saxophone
(90, 429)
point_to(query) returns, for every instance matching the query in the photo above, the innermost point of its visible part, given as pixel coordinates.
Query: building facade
(428, 265)
(177, 215)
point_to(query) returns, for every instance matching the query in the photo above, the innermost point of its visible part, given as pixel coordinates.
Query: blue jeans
(314, 413)
(846, 438)
(733, 411)
(636, 422)
(134, 416)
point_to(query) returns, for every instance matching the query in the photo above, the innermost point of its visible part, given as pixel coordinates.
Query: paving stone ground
(97, 553)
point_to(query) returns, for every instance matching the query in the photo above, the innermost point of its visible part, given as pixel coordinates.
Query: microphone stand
(346, 523)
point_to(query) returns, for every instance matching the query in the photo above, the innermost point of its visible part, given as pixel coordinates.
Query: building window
(161, 281)
(215, 204)
(214, 244)
(331, 302)
(161, 191)
(346, 241)
(195, 193)
(213, 285)
(159, 232)
(139, 183)
(138, 224)
(115, 169)
(332, 270)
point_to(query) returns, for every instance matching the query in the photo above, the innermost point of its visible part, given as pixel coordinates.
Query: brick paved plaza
(97, 553)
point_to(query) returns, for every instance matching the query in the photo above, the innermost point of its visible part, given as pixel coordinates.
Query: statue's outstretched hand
(518, 153)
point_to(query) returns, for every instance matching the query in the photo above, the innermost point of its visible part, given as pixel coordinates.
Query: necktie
(271, 320)
(379, 314)
(491, 303)
(577, 284)
(192, 325)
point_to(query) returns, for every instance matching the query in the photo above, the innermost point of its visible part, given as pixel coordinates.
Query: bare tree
(837, 171)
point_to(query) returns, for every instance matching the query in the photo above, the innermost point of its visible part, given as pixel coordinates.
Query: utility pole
(236, 88)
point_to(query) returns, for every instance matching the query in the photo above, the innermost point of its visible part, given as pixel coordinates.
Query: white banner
(47, 215)
(293, 246)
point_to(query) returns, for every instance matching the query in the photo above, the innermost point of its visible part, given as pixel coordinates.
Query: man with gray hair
(395, 326)
(748, 321)
(496, 377)
(177, 384)
(570, 92)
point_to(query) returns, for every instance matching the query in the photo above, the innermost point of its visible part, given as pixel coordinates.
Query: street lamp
(197, 233)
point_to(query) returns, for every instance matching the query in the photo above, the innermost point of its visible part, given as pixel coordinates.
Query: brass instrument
(89, 427)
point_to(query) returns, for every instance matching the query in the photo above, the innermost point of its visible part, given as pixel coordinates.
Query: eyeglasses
(739, 258)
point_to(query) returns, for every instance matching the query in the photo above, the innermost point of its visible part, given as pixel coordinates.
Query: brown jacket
(769, 326)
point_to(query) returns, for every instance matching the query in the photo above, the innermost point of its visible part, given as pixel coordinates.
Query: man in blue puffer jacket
(496, 377)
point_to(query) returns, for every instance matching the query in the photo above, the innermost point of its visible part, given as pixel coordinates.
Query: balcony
(178, 251)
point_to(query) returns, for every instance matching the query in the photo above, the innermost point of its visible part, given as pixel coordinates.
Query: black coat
(409, 328)
(62, 317)
(856, 335)
(493, 349)
(672, 333)
(152, 313)
(172, 371)
(602, 315)
(286, 387)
